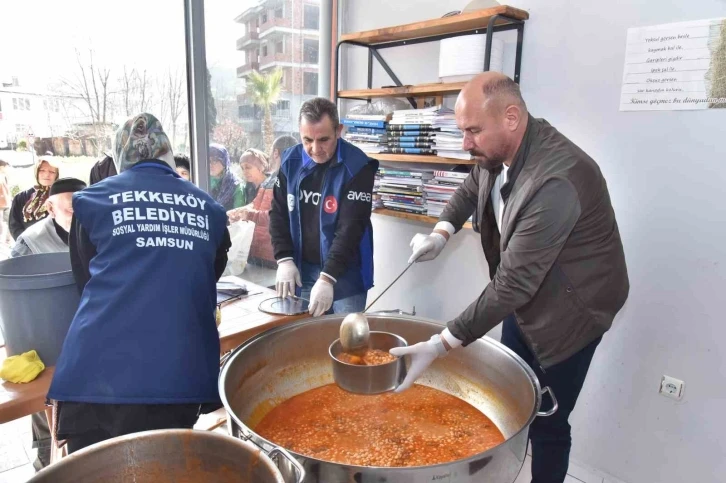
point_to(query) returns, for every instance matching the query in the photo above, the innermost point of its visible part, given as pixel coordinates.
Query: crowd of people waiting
(244, 190)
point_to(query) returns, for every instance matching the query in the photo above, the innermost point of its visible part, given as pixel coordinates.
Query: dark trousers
(550, 436)
(42, 440)
(83, 424)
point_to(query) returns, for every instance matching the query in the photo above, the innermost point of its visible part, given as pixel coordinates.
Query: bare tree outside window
(91, 83)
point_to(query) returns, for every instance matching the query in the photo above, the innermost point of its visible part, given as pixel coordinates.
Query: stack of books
(411, 131)
(403, 190)
(367, 131)
(377, 201)
(447, 138)
(439, 190)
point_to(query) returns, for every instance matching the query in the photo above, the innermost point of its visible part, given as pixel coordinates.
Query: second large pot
(281, 363)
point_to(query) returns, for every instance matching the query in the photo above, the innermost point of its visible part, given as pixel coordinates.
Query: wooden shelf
(440, 26)
(410, 216)
(419, 158)
(436, 89)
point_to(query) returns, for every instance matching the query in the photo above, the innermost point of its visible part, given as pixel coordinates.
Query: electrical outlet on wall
(672, 387)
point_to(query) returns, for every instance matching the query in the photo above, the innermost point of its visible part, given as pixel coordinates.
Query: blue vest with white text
(144, 332)
(296, 166)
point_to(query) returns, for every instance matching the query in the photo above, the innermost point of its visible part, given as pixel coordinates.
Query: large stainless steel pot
(284, 362)
(166, 456)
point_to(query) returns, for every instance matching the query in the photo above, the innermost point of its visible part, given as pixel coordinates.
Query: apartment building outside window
(310, 83)
(310, 51)
(311, 17)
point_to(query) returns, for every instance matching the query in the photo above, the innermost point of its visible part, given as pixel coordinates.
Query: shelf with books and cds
(410, 216)
(420, 158)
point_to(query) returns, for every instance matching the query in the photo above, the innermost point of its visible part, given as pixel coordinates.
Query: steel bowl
(370, 379)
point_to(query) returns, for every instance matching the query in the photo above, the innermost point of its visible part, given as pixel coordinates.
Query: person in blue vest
(147, 249)
(320, 219)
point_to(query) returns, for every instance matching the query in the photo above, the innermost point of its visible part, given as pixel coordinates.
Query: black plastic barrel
(38, 299)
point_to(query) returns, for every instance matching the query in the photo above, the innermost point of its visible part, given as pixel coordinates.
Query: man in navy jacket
(320, 221)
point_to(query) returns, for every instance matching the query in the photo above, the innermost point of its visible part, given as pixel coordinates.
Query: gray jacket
(559, 264)
(42, 237)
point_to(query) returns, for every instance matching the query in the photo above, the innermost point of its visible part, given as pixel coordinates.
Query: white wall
(666, 177)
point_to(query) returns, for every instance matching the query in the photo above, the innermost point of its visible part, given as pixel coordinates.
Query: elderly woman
(224, 186)
(147, 248)
(255, 165)
(28, 207)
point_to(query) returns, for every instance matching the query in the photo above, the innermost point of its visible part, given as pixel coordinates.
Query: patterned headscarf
(34, 208)
(225, 190)
(139, 139)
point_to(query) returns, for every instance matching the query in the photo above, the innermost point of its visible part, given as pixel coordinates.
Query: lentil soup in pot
(418, 427)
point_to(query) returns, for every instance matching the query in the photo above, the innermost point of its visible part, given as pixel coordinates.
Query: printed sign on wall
(675, 66)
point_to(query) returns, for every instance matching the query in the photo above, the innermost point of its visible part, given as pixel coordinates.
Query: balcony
(247, 68)
(273, 22)
(251, 38)
(269, 60)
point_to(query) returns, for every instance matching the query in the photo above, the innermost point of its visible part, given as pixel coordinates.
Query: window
(15, 103)
(310, 51)
(240, 124)
(310, 83)
(312, 17)
(246, 111)
(27, 104)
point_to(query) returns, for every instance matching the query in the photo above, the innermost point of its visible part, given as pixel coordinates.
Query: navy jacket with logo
(296, 165)
(144, 332)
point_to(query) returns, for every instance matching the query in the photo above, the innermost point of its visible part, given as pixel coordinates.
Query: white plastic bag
(241, 233)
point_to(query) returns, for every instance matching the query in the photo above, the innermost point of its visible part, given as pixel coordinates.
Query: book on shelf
(364, 123)
(369, 117)
(417, 210)
(409, 139)
(392, 128)
(450, 174)
(364, 130)
(400, 144)
(409, 151)
(403, 173)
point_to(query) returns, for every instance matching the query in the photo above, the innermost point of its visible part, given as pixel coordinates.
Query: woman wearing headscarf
(28, 207)
(147, 248)
(255, 167)
(224, 186)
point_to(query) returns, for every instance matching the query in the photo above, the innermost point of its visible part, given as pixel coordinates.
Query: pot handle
(299, 470)
(553, 410)
(223, 359)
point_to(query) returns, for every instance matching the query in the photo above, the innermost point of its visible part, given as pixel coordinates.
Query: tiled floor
(16, 455)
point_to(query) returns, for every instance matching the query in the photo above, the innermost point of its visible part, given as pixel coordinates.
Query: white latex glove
(422, 355)
(321, 298)
(426, 247)
(287, 277)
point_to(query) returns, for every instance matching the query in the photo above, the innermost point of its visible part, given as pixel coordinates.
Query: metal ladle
(354, 330)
